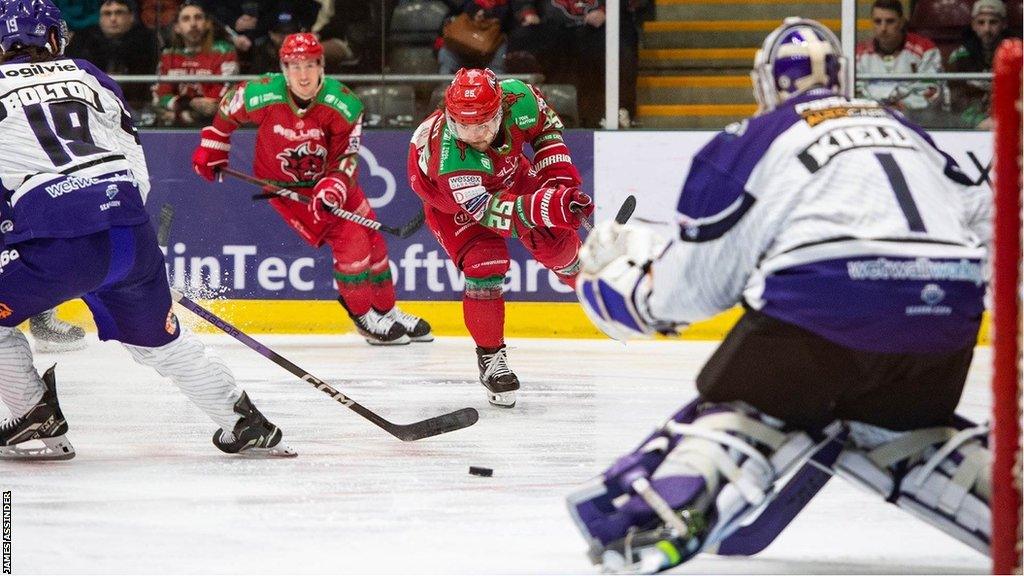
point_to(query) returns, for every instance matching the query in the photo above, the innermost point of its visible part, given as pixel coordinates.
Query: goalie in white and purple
(73, 183)
(855, 247)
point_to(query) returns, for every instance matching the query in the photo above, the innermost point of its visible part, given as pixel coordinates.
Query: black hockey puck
(480, 471)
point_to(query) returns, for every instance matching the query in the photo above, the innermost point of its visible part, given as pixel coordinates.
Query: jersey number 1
(902, 191)
(69, 136)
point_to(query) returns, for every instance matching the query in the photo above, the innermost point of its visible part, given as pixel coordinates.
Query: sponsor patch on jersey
(5, 311)
(297, 135)
(64, 91)
(464, 181)
(235, 104)
(6, 226)
(259, 99)
(815, 117)
(839, 140)
(39, 69)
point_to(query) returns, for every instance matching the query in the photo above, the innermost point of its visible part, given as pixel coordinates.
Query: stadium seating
(388, 106)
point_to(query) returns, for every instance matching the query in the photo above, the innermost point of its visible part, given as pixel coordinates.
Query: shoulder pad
(264, 91)
(459, 157)
(336, 95)
(520, 103)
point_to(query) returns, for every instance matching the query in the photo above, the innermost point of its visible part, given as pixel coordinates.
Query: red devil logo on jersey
(305, 162)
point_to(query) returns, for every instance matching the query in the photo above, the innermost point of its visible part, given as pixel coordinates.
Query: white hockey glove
(615, 281)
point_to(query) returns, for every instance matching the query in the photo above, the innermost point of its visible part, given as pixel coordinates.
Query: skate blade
(424, 338)
(282, 450)
(502, 399)
(50, 347)
(396, 342)
(56, 448)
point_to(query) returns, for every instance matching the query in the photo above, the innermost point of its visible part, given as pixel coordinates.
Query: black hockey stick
(407, 432)
(403, 231)
(449, 422)
(622, 216)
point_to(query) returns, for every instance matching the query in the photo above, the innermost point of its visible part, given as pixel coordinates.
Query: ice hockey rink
(148, 492)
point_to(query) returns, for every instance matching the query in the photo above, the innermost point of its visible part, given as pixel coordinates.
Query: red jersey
(220, 60)
(295, 148)
(451, 176)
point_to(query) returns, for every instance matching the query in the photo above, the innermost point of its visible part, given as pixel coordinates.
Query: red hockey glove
(212, 153)
(560, 207)
(331, 191)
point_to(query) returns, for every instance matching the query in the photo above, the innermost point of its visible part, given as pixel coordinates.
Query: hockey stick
(408, 432)
(622, 216)
(403, 231)
(449, 422)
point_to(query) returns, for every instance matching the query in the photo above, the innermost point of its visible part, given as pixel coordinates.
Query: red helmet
(474, 96)
(301, 46)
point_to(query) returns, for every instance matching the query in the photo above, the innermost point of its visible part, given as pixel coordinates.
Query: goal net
(1006, 313)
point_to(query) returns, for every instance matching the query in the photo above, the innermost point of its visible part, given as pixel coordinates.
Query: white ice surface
(148, 492)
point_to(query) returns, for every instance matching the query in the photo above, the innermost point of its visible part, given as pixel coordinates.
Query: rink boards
(263, 277)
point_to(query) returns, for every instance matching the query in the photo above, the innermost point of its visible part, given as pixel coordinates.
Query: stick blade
(626, 210)
(462, 418)
(163, 229)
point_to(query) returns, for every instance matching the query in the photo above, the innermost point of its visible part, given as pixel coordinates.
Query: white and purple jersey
(70, 160)
(837, 216)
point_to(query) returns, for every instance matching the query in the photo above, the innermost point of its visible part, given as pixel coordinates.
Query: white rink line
(149, 493)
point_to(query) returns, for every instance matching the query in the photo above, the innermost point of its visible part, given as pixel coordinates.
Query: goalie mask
(797, 56)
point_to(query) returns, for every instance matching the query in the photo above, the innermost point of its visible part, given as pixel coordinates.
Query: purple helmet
(28, 23)
(797, 56)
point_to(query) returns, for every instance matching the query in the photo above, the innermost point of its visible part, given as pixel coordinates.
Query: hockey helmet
(798, 55)
(300, 46)
(28, 23)
(472, 103)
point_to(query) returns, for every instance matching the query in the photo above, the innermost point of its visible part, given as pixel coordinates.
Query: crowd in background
(561, 39)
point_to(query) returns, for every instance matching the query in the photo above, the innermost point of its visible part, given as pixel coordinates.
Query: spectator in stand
(79, 14)
(193, 52)
(350, 31)
(266, 52)
(567, 37)
(246, 21)
(156, 14)
(120, 44)
(450, 61)
(893, 50)
(970, 100)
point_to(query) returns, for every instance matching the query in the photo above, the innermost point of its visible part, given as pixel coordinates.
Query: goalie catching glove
(331, 191)
(615, 282)
(212, 153)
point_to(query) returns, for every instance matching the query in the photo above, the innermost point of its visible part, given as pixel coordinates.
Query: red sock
(383, 295)
(357, 297)
(485, 320)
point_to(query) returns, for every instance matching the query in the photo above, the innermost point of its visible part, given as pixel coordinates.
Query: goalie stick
(404, 231)
(449, 422)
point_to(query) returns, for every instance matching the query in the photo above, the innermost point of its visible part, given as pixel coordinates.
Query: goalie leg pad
(689, 486)
(199, 373)
(940, 475)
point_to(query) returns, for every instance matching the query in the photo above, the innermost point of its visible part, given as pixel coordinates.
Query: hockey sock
(197, 372)
(483, 309)
(20, 385)
(383, 291)
(355, 291)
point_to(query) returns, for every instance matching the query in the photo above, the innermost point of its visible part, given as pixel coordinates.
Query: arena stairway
(695, 57)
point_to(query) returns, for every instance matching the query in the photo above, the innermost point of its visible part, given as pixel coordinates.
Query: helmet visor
(473, 133)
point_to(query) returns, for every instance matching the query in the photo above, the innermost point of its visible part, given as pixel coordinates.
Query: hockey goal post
(1006, 313)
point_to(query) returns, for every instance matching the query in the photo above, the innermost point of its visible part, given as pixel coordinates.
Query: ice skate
(497, 377)
(417, 328)
(55, 335)
(43, 423)
(380, 330)
(253, 435)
